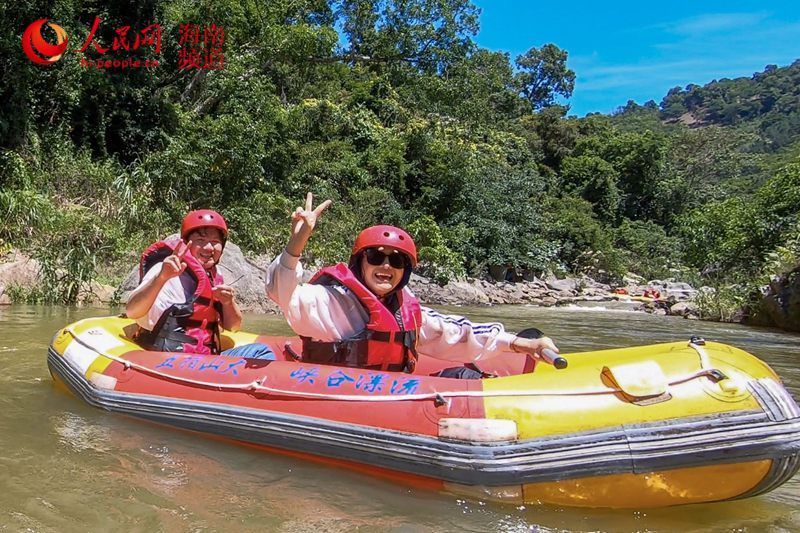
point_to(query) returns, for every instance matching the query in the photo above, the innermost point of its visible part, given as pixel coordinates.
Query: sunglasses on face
(376, 258)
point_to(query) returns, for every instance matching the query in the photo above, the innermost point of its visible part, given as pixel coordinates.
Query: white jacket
(332, 313)
(170, 294)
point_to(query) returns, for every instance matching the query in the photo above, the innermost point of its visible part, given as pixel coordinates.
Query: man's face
(206, 246)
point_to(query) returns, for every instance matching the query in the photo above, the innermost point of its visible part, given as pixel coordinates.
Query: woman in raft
(363, 315)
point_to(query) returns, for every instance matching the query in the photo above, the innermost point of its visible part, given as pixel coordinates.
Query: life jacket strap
(354, 352)
(164, 338)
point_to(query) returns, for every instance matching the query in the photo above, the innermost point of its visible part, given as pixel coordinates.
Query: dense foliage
(392, 110)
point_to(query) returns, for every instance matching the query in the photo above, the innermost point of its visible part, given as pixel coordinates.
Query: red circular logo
(40, 51)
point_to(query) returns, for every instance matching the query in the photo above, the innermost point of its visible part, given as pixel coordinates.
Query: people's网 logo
(199, 47)
(38, 49)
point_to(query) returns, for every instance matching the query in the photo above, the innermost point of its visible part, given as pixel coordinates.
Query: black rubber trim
(781, 471)
(721, 438)
(774, 399)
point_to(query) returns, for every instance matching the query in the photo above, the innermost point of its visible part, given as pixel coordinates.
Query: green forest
(392, 110)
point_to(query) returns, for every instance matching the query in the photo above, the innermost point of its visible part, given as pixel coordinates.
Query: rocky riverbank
(781, 307)
(247, 276)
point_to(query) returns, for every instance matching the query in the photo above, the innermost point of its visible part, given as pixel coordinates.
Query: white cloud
(715, 22)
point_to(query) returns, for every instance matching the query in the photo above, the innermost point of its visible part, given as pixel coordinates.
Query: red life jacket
(386, 343)
(190, 327)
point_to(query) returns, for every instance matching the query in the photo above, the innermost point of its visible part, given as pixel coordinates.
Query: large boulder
(680, 291)
(567, 286)
(17, 268)
(781, 305)
(454, 293)
(683, 309)
(98, 294)
(244, 274)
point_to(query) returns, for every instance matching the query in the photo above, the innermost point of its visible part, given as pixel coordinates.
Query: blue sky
(634, 50)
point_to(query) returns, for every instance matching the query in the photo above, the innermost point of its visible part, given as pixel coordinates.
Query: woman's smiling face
(381, 279)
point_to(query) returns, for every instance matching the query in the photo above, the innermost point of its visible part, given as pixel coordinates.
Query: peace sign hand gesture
(304, 219)
(174, 265)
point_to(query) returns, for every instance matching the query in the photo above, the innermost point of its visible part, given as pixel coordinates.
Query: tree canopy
(391, 109)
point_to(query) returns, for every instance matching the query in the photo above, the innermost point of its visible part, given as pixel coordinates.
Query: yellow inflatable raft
(650, 426)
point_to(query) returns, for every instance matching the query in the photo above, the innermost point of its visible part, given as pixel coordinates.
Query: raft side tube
(731, 437)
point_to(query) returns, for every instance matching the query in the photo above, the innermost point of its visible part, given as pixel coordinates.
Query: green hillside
(766, 104)
(392, 110)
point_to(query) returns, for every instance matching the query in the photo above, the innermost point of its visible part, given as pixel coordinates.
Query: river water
(65, 466)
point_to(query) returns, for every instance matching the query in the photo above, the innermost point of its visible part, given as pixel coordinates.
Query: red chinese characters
(201, 49)
(149, 36)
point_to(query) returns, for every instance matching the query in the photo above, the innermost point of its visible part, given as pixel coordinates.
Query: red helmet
(203, 218)
(375, 236)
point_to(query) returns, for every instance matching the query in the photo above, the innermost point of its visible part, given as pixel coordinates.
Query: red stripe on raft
(419, 416)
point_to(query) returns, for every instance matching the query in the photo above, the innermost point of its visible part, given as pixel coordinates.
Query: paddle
(548, 355)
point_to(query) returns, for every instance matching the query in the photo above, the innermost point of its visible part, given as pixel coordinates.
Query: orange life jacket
(192, 326)
(387, 342)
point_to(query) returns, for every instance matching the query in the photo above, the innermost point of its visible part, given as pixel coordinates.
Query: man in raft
(363, 315)
(181, 300)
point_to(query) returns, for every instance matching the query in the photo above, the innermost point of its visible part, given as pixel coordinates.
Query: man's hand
(174, 265)
(224, 294)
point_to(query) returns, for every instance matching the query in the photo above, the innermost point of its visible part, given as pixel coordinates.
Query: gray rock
(587, 284)
(781, 305)
(674, 290)
(683, 309)
(590, 298)
(98, 293)
(454, 293)
(416, 280)
(467, 293)
(563, 285)
(19, 269)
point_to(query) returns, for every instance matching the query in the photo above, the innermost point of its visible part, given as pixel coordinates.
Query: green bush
(436, 260)
(80, 243)
(584, 244)
(721, 301)
(24, 215)
(647, 249)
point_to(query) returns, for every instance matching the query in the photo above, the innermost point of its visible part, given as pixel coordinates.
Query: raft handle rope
(258, 386)
(697, 344)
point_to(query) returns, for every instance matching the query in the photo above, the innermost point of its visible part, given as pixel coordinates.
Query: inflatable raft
(649, 426)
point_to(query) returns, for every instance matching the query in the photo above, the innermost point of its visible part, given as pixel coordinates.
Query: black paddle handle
(548, 355)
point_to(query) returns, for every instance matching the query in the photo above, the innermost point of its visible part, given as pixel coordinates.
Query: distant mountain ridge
(767, 104)
(769, 100)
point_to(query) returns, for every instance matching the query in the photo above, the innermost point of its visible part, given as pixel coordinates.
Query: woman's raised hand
(304, 219)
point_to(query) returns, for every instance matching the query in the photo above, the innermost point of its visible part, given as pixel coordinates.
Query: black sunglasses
(376, 258)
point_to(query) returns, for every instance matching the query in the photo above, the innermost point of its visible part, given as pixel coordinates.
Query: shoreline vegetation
(21, 282)
(394, 112)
